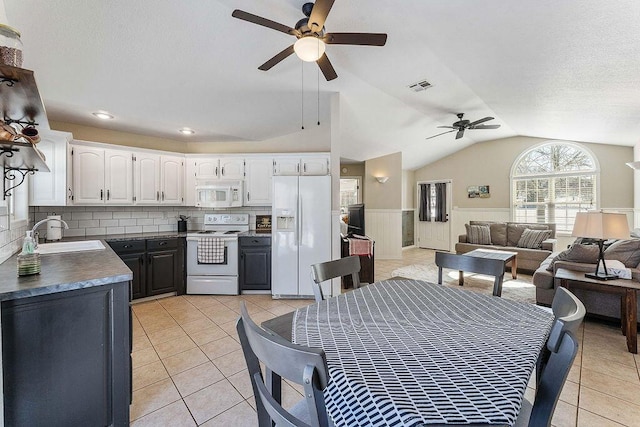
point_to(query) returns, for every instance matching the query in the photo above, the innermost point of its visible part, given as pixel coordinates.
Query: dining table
(404, 352)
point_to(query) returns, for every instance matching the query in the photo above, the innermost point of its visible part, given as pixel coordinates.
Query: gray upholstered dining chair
(331, 269)
(554, 375)
(303, 365)
(568, 309)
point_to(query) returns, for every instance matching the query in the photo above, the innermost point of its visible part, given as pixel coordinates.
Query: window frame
(592, 172)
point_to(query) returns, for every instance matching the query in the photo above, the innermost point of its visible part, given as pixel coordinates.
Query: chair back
(331, 269)
(552, 380)
(569, 312)
(303, 365)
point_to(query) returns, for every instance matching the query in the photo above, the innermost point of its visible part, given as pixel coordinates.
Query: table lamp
(601, 226)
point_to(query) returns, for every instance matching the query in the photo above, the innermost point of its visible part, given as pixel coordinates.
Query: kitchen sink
(61, 247)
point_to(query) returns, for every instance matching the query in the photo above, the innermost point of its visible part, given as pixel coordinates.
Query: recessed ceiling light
(187, 131)
(103, 115)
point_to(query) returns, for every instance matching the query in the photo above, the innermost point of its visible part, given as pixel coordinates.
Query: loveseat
(580, 257)
(508, 236)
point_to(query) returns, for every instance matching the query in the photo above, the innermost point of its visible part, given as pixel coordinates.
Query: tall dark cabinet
(254, 263)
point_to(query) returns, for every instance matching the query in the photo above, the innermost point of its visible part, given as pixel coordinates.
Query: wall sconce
(382, 179)
(634, 165)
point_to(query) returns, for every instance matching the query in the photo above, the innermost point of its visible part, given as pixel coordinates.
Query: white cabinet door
(147, 179)
(118, 177)
(258, 185)
(207, 168)
(88, 175)
(190, 182)
(171, 174)
(315, 166)
(52, 189)
(232, 168)
(286, 166)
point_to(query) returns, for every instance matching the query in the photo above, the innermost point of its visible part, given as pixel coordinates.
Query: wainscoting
(385, 227)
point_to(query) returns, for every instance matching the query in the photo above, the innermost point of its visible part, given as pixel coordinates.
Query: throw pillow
(498, 233)
(533, 239)
(515, 230)
(626, 251)
(587, 254)
(478, 234)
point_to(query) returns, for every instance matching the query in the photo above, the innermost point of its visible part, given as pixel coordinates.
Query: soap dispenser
(28, 260)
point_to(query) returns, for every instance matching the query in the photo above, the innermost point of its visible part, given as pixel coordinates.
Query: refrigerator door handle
(299, 220)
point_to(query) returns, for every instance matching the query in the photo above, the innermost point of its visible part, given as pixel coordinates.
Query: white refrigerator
(301, 232)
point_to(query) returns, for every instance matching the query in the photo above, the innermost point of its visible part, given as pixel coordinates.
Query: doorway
(433, 215)
(350, 192)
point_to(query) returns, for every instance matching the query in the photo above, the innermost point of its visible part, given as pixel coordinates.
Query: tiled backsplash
(10, 240)
(101, 220)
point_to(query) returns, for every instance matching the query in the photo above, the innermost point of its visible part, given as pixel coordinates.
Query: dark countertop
(137, 236)
(253, 233)
(63, 272)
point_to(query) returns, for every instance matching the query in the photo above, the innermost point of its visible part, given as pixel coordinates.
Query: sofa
(507, 236)
(597, 303)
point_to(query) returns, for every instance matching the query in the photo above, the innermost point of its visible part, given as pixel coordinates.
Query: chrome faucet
(39, 223)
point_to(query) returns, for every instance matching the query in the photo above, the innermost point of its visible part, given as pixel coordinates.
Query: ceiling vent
(420, 86)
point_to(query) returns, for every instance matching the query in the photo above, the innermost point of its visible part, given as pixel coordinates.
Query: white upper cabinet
(258, 181)
(53, 188)
(314, 165)
(159, 179)
(171, 177)
(301, 165)
(147, 179)
(231, 168)
(118, 177)
(102, 176)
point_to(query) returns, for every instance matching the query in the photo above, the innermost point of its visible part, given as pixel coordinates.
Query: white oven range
(219, 278)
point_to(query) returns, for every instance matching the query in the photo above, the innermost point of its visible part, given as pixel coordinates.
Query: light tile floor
(188, 367)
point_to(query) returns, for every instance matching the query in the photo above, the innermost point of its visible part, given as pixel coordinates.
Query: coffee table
(628, 299)
(503, 256)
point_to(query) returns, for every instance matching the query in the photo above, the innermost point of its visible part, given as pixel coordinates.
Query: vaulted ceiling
(562, 69)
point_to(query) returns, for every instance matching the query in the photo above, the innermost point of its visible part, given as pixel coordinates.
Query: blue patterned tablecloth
(410, 353)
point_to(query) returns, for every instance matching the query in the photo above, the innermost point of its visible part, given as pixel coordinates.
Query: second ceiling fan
(461, 125)
(312, 37)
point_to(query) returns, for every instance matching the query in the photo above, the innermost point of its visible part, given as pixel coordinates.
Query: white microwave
(218, 194)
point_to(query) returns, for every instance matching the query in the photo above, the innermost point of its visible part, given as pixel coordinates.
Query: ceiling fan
(312, 37)
(462, 125)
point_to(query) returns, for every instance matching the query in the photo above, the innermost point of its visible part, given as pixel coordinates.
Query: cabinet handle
(157, 195)
(304, 168)
(248, 196)
(216, 171)
(108, 194)
(101, 194)
(126, 246)
(298, 168)
(163, 243)
(163, 196)
(223, 171)
(256, 241)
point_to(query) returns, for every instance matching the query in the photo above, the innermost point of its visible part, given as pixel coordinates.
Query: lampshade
(309, 48)
(601, 225)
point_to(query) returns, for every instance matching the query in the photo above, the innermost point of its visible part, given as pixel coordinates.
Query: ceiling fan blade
(484, 127)
(460, 134)
(319, 14)
(279, 57)
(447, 127)
(255, 19)
(449, 131)
(477, 122)
(363, 39)
(326, 67)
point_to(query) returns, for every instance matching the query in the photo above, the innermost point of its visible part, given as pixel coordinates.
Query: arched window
(553, 181)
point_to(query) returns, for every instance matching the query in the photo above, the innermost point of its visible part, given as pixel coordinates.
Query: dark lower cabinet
(66, 358)
(158, 265)
(254, 263)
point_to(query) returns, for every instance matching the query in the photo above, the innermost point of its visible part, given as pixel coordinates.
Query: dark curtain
(424, 214)
(441, 202)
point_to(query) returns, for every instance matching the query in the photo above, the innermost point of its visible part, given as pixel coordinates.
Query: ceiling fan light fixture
(309, 48)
